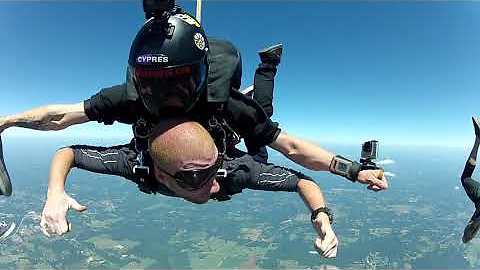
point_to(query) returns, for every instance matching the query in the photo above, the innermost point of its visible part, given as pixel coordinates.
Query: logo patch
(148, 59)
(186, 18)
(199, 41)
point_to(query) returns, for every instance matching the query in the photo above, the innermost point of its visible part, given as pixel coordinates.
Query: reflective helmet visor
(177, 88)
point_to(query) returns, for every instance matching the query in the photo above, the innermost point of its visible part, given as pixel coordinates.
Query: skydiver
(185, 162)
(472, 187)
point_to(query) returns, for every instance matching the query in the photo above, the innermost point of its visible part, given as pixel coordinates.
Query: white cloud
(389, 174)
(386, 162)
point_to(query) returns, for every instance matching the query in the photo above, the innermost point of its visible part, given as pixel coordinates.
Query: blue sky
(403, 73)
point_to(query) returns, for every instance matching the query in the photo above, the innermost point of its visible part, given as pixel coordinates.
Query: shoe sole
(276, 46)
(5, 183)
(8, 232)
(247, 91)
(476, 125)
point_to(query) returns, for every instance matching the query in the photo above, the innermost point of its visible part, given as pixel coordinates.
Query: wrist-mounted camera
(350, 169)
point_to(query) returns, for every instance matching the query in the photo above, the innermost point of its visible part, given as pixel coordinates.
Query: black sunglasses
(195, 179)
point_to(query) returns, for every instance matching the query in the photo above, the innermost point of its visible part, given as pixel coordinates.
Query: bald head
(179, 143)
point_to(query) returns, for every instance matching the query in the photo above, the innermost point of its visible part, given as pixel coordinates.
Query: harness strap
(141, 131)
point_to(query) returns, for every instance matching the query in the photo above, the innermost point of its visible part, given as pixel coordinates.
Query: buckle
(141, 171)
(222, 173)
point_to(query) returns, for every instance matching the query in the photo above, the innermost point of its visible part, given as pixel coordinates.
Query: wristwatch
(325, 210)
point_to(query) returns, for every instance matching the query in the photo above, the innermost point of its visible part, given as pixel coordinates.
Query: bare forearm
(61, 165)
(311, 194)
(302, 152)
(51, 117)
(313, 198)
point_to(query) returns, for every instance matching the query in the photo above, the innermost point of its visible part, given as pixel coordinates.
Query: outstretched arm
(302, 152)
(326, 243)
(54, 214)
(316, 158)
(269, 177)
(50, 117)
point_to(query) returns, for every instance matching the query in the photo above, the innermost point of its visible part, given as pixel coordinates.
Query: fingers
(376, 180)
(381, 175)
(327, 246)
(379, 183)
(54, 214)
(332, 248)
(327, 250)
(75, 205)
(49, 229)
(384, 179)
(374, 188)
(59, 227)
(332, 253)
(373, 178)
(318, 244)
(51, 225)
(62, 227)
(43, 227)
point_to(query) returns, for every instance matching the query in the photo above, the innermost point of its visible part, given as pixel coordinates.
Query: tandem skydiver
(186, 80)
(184, 162)
(175, 76)
(472, 187)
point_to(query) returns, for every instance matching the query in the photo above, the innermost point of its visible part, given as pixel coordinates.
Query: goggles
(195, 179)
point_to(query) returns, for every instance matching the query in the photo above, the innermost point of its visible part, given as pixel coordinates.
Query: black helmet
(168, 63)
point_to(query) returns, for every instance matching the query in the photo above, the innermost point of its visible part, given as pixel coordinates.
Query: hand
(54, 214)
(326, 243)
(3, 124)
(375, 179)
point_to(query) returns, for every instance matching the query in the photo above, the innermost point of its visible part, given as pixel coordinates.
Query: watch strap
(325, 210)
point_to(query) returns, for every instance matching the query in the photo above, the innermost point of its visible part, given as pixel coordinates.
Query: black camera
(369, 155)
(154, 8)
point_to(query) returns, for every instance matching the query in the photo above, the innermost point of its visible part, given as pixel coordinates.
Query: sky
(404, 73)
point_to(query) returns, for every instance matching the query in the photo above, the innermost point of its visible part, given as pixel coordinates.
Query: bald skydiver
(184, 161)
(472, 187)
